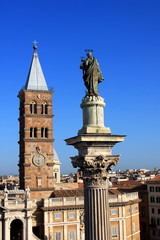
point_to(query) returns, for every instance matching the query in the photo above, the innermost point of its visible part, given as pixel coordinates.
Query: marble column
(94, 143)
(6, 228)
(96, 213)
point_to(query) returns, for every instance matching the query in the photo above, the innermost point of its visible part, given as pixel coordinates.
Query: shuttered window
(114, 232)
(58, 235)
(71, 235)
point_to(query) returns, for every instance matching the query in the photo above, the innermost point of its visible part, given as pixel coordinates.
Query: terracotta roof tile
(155, 179)
(68, 193)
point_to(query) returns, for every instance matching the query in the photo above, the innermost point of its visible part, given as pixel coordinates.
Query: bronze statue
(92, 75)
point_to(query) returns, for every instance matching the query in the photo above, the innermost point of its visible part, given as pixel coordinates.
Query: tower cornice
(22, 91)
(36, 140)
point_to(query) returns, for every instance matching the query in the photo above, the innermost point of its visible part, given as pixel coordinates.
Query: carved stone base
(94, 129)
(93, 115)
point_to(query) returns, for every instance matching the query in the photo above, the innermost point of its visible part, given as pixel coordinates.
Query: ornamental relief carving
(94, 170)
(97, 162)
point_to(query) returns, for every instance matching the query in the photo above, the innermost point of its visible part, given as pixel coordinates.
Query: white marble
(93, 115)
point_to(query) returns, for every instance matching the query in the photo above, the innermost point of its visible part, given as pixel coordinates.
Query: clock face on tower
(38, 160)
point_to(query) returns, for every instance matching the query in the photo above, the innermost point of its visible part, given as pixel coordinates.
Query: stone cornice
(27, 164)
(39, 104)
(35, 116)
(95, 138)
(23, 91)
(50, 164)
(37, 140)
(130, 202)
(42, 189)
(57, 208)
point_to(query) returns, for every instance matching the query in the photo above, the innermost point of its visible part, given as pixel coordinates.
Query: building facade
(154, 207)
(62, 216)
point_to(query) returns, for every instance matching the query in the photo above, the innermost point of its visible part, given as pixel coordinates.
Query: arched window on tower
(42, 132)
(44, 108)
(35, 132)
(33, 107)
(31, 132)
(46, 132)
(21, 108)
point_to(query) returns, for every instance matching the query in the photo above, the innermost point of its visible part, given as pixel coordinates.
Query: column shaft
(96, 213)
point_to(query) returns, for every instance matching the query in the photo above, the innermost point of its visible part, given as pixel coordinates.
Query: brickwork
(36, 139)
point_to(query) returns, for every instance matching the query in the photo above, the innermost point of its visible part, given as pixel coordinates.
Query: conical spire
(35, 79)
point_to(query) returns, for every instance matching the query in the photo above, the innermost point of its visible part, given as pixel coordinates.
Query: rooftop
(35, 79)
(155, 179)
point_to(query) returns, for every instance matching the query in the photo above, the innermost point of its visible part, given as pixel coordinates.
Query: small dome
(55, 157)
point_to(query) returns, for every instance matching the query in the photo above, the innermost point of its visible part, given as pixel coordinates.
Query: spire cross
(34, 42)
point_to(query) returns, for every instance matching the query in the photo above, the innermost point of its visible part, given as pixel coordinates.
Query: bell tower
(36, 133)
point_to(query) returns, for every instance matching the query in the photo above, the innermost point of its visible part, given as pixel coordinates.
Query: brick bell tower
(36, 133)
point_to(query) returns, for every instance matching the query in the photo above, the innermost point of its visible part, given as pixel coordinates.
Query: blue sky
(125, 37)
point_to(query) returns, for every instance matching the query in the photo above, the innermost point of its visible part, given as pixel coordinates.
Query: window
(152, 210)
(151, 189)
(31, 132)
(154, 233)
(128, 210)
(114, 232)
(56, 177)
(33, 108)
(44, 108)
(158, 221)
(58, 235)
(136, 208)
(158, 199)
(71, 235)
(71, 215)
(131, 209)
(157, 189)
(21, 108)
(133, 227)
(35, 132)
(39, 182)
(57, 216)
(113, 212)
(44, 132)
(153, 221)
(152, 199)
